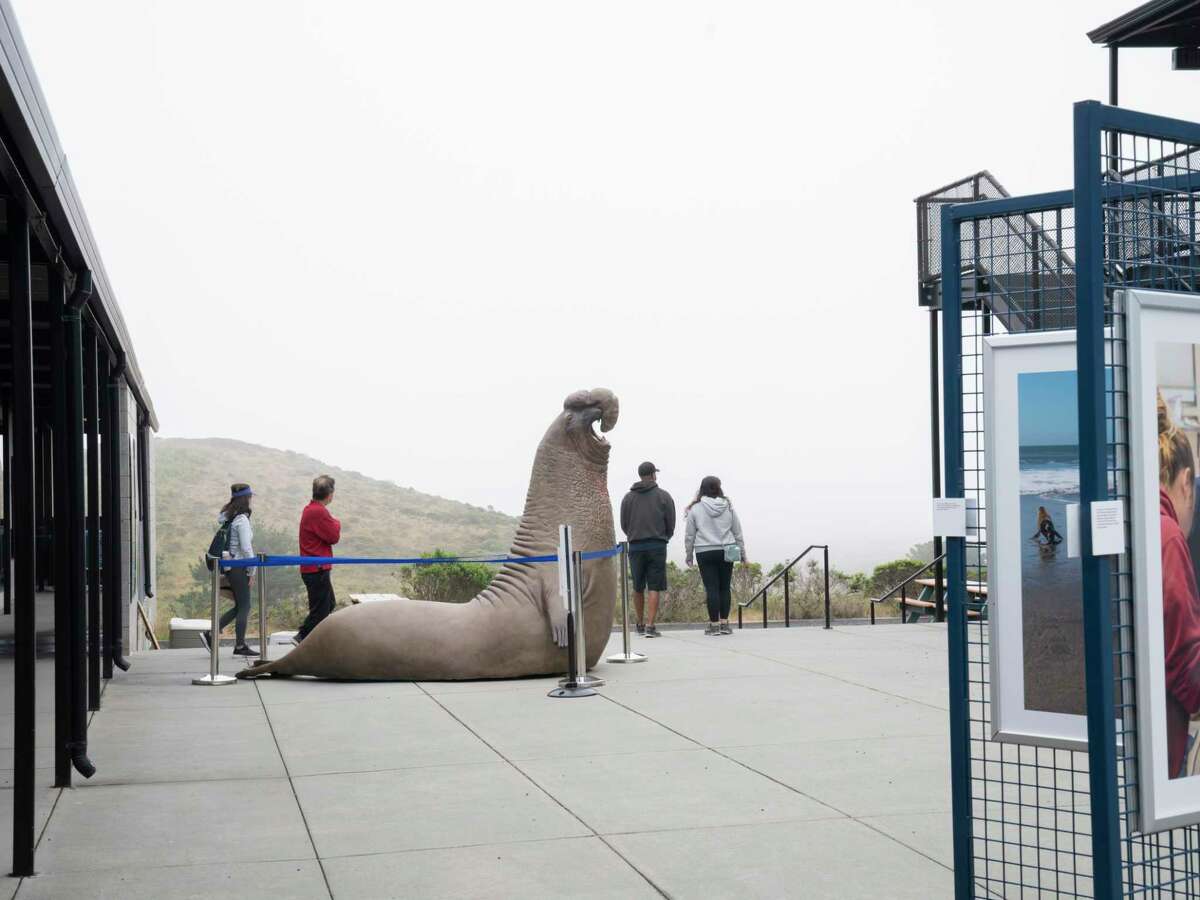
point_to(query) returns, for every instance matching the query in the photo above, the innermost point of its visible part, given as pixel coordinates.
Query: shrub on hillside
(445, 582)
(887, 575)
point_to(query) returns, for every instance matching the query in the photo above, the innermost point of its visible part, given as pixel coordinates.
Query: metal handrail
(786, 575)
(903, 586)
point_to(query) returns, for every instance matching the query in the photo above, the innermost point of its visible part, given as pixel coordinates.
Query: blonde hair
(1174, 451)
(1042, 515)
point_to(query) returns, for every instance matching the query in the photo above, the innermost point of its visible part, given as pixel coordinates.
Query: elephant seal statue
(517, 625)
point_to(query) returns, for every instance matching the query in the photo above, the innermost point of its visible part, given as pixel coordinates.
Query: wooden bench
(913, 608)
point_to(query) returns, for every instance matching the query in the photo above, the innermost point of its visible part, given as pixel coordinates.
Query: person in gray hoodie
(648, 520)
(713, 539)
(241, 546)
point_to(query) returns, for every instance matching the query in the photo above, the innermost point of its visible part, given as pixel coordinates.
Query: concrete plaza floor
(777, 763)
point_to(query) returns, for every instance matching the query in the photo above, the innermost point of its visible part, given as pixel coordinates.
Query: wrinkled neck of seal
(568, 486)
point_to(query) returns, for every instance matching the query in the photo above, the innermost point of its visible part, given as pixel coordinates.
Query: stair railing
(786, 575)
(902, 587)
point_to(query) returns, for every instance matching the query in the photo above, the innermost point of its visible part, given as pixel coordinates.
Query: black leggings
(239, 582)
(716, 574)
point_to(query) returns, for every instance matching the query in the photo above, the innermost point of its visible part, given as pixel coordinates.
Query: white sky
(402, 233)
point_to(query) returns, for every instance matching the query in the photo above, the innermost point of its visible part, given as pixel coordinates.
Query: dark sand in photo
(1052, 615)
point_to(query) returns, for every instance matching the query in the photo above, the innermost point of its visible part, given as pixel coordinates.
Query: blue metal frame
(956, 564)
(1093, 484)
(956, 559)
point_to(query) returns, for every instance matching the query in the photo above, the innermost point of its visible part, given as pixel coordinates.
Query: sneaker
(725, 629)
(641, 629)
(651, 631)
(712, 629)
(245, 650)
(206, 640)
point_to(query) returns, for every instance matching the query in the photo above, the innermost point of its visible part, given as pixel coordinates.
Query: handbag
(733, 553)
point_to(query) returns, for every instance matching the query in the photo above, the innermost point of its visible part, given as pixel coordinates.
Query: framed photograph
(1035, 608)
(1164, 418)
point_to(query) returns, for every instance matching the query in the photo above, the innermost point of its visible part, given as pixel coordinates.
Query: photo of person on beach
(1051, 582)
(1176, 400)
(1046, 534)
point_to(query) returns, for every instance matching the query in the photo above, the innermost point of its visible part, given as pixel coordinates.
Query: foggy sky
(398, 235)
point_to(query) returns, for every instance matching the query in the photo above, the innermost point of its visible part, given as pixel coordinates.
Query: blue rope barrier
(272, 562)
(599, 554)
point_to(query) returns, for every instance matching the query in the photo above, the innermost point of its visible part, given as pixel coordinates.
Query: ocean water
(1051, 584)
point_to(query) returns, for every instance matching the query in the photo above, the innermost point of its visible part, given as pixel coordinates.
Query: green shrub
(445, 582)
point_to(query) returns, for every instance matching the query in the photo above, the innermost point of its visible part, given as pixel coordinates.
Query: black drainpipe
(77, 746)
(113, 559)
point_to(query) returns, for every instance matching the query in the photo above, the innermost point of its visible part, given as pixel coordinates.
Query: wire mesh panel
(1025, 809)
(1136, 182)
(1034, 820)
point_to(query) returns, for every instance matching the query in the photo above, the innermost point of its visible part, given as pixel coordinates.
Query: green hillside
(378, 518)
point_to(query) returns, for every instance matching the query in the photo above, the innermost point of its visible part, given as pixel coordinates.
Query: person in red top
(319, 531)
(1181, 602)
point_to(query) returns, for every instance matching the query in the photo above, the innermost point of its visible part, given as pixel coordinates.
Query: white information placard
(950, 516)
(1108, 528)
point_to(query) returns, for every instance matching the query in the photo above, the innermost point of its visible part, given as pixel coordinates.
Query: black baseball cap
(646, 468)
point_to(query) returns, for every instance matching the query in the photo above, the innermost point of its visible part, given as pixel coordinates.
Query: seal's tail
(283, 667)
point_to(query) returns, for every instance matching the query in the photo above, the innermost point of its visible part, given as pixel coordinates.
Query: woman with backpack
(714, 538)
(235, 516)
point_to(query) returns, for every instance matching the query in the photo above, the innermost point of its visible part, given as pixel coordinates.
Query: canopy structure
(1159, 23)
(77, 540)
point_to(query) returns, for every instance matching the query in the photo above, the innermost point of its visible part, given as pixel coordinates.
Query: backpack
(218, 546)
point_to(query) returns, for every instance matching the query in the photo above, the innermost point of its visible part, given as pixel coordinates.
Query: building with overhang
(77, 554)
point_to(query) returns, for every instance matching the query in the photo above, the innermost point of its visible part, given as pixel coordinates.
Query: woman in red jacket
(1181, 604)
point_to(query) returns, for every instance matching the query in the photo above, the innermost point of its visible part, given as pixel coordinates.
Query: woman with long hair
(714, 539)
(1046, 532)
(1181, 603)
(241, 546)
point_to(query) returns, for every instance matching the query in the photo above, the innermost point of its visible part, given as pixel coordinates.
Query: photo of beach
(1051, 583)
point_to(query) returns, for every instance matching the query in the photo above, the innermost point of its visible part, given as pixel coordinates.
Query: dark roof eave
(1159, 23)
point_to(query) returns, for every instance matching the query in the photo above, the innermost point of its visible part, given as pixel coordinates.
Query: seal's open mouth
(584, 410)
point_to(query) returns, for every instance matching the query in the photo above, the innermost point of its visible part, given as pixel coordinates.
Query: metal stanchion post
(580, 640)
(628, 655)
(262, 610)
(214, 677)
(568, 576)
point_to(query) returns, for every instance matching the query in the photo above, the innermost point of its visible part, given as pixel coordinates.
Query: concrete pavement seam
(295, 796)
(782, 784)
(552, 798)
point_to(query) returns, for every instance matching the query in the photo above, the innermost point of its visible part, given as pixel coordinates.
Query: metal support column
(960, 726)
(1114, 140)
(60, 530)
(6, 544)
(1093, 484)
(72, 528)
(935, 441)
(23, 526)
(91, 404)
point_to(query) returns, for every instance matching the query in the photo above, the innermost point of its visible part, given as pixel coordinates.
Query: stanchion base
(583, 681)
(572, 692)
(214, 681)
(632, 657)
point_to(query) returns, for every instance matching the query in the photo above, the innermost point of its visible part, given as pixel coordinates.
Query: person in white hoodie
(714, 541)
(241, 537)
